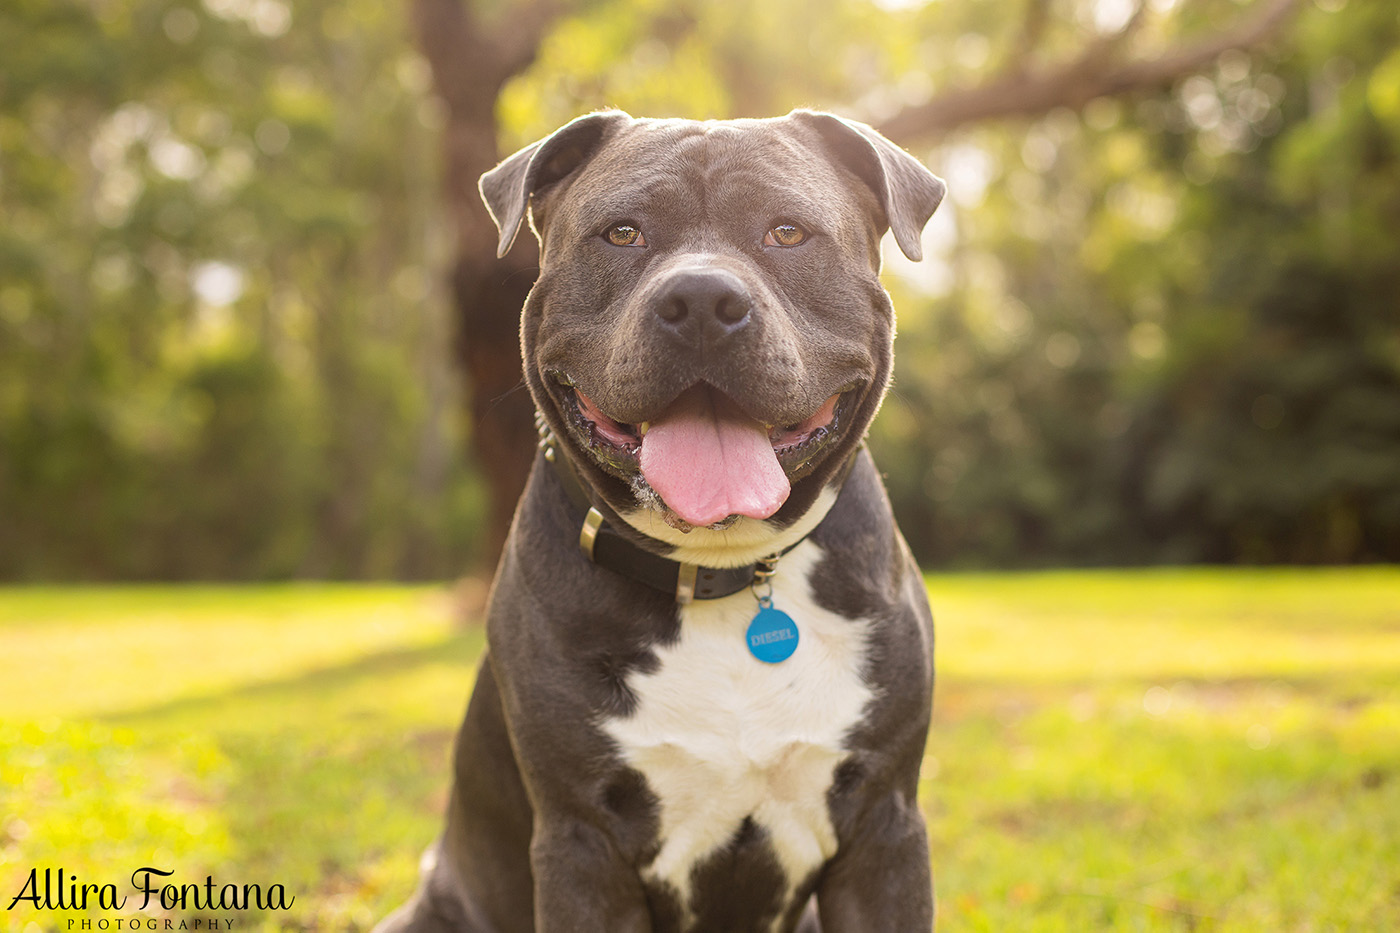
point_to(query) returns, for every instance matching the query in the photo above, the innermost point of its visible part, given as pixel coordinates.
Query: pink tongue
(708, 460)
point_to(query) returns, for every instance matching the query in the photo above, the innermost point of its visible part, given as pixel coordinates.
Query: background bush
(1157, 327)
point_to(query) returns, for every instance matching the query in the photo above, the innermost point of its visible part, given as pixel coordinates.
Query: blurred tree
(1172, 336)
(473, 53)
(1157, 321)
(724, 60)
(220, 321)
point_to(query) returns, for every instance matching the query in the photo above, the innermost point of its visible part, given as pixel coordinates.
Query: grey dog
(709, 681)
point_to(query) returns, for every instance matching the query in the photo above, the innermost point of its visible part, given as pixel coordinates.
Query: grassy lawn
(1157, 750)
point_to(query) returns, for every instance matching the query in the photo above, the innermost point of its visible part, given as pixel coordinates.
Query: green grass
(1167, 750)
(1159, 750)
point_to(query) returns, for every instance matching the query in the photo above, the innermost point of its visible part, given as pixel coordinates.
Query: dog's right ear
(507, 188)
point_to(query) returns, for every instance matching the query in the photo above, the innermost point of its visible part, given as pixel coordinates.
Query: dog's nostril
(730, 311)
(673, 311)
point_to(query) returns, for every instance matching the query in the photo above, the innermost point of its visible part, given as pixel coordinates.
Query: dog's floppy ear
(909, 192)
(507, 188)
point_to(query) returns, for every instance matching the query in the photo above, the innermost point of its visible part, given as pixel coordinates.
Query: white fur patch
(720, 735)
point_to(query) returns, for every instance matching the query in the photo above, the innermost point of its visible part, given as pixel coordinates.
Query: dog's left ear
(909, 192)
(507, 188)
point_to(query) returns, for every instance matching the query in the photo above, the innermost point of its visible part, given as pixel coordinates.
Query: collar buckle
(588, 534)
(685, 583)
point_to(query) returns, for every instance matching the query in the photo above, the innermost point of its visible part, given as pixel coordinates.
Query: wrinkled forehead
(711, 171)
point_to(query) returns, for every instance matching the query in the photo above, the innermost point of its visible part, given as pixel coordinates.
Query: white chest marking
(720, 735)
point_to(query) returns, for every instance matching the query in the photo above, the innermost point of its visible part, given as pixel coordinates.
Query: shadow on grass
(462, 649)
(330, 782)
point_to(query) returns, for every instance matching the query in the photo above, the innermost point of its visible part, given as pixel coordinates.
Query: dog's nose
(703, 304)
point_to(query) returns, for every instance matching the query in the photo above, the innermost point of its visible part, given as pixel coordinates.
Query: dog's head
(708, 336)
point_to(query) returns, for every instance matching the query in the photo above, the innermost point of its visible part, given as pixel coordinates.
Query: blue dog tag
(772, 635)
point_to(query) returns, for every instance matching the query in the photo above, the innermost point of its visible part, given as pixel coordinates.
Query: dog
(709, 677)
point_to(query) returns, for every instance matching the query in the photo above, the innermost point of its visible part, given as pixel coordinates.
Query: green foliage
(1160, 329)
(1110, 751)
(224, 347)
(699, 60)
(1171, 334)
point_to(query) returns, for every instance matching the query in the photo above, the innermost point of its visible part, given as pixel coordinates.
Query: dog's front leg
(582, 885)
(880, 880)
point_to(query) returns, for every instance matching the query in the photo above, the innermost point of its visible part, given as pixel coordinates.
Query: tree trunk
(488, 293)
(471, 58)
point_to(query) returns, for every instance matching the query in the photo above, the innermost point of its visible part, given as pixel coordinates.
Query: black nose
(703, 305)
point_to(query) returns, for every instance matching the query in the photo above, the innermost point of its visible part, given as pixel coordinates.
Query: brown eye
(785, 235)
(625, 235)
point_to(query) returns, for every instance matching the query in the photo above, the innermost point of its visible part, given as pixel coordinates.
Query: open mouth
(705, 458)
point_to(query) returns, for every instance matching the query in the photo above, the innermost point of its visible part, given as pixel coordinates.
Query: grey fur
(548, 830)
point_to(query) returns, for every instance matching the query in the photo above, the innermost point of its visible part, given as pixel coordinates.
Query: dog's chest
(729, 743)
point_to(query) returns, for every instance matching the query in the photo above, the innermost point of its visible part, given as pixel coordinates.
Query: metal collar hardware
(588, 534)
(685, 583)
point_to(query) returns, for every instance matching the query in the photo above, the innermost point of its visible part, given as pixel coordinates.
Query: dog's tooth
(643, 428)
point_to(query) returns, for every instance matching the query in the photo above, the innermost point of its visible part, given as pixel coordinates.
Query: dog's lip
(616, 445)
(609, 430)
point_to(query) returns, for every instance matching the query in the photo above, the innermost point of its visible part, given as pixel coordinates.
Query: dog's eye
(785, 235)
(625, 235)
